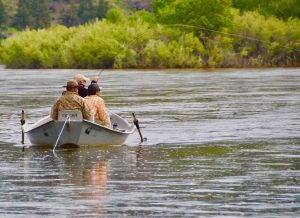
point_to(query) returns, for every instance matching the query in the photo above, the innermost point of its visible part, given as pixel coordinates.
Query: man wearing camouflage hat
(70, 100)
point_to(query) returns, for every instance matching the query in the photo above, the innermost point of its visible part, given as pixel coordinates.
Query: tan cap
(72, 84)
(80, 77)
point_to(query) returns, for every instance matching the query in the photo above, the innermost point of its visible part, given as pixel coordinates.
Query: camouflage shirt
(70, 101)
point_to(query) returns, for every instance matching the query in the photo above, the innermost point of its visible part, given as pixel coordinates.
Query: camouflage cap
(72, 84)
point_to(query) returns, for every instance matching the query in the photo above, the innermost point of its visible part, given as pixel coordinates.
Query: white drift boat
(71, 129)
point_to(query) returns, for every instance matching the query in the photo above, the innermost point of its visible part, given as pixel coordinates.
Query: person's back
(71, 101)
(96, 104)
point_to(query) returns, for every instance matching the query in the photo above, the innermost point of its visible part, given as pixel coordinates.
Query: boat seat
(75, 115)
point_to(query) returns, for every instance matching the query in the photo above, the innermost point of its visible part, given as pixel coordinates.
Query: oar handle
(136, 123)
(22, 123)
(22, 118)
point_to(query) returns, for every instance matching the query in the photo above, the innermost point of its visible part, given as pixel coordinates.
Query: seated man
(96, 103)
(71, 101)
(81, 80)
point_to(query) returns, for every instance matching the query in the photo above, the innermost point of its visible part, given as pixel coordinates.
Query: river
(220, 143)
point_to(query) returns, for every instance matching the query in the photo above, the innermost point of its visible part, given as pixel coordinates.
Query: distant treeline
(43, 13)
(169, 34)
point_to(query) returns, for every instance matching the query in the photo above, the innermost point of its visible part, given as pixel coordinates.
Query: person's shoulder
(62, 97)
(94, 98)
(99, 99)
(87, 97)
(78, 98)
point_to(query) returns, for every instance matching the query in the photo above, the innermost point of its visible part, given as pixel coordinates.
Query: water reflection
(95, 178)
(79, 173)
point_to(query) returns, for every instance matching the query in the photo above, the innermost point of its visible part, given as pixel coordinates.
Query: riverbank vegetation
(171, 34)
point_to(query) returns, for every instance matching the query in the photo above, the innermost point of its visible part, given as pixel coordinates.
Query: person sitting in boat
(82, 80)
(71, 101)
(95, 79)
(97, 105)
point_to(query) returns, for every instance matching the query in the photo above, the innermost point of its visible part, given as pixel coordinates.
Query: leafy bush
(137, 41)
(272, 41)
(35, 48)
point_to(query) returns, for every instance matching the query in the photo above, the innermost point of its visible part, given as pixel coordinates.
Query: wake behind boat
(72, 129)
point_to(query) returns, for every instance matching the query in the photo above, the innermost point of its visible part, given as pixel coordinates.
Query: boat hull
(46, 132)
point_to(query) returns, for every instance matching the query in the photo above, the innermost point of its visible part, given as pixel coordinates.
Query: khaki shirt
(97, 104)
(70, 101)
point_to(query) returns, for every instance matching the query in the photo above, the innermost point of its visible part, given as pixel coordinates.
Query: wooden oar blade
(136, 123)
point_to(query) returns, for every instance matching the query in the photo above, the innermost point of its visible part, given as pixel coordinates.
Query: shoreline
(3, 67)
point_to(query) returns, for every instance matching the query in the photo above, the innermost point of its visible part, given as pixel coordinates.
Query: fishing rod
(135, 120)
(99, 74)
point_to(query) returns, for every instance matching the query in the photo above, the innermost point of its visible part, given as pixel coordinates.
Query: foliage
(92, 46)
(198, 13)
(264, 42)
(41, 14)
(280, 8)
(70, 17)
(3, 14)
(102, 44)
(122, 39)
(86, 10)
(31, 13)
(144, 16)
(36, 48)
(102, 9)
(115, 15)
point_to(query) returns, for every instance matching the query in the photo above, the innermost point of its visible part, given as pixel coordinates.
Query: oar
(22, 123)
(67, 119)
(136, 123)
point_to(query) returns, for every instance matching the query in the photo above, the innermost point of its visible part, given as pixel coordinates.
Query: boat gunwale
(127, 131)
(30, 127)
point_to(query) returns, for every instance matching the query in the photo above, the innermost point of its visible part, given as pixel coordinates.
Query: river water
(222, 143)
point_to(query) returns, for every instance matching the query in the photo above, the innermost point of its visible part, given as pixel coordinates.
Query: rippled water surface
(221, 143)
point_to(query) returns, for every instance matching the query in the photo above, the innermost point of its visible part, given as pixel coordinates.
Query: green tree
(34, 14)
(199, 13)
(280, 8)
(115, 15)
(3, 14)
(285, 9)
(86, 11)
(246, 5)
(101, 9)
(69, 17)
(41, 14)
(23, 14)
